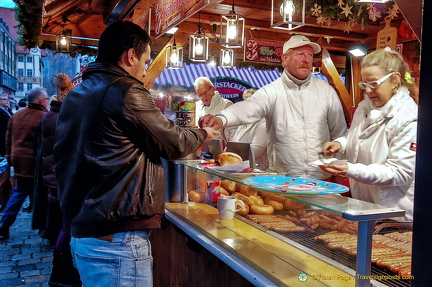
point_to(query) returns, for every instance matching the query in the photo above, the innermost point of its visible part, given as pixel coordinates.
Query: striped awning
(187, 75)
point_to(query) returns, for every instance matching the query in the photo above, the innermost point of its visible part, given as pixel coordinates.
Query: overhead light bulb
(226, 57)
(199, 48)
(288, 12)
(212, 62)
(289, 9)
(174, 56)
(63, 41)
(232, 29)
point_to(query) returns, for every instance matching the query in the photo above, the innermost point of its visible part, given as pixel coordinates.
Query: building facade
(7, 61)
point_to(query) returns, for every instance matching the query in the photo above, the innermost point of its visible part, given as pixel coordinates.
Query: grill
(307, 240)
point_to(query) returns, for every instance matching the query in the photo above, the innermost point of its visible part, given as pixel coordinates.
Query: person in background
(63, 272)
(110, 139)
(20, 154)
(255, 134)
(5, 185)
(22, 104)
(380, 146)
(302, 113)
(211, 102)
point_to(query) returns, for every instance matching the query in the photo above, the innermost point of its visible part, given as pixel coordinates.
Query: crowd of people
(93, 153)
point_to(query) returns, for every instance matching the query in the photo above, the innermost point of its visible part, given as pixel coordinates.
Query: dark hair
(119, 37)
(22, 103)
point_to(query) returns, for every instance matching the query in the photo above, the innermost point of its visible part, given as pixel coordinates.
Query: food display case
(243, 243)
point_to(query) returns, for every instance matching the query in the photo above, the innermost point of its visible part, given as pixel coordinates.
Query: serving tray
(294, 185)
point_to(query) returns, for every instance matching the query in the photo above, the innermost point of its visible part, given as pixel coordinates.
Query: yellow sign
(387, 37)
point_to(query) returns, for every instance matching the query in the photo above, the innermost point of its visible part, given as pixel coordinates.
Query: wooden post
(335, 81)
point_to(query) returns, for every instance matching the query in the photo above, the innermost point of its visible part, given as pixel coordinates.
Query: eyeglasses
(375, 84)
(4, 99)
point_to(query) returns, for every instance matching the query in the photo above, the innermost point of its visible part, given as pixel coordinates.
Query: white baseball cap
(298, 41)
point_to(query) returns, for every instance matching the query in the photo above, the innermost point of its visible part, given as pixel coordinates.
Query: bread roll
(248, 191)
(229, 185)
(196, 196)
(244, 211)
(293, 204)
(256, 199)
(223, 191)
(276, 204)
(261, 209)
(243, 198)
(227, 158)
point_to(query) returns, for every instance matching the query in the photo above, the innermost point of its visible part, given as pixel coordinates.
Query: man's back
(20, 139)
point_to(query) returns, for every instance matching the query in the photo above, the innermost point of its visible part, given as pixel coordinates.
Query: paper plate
(294, 185)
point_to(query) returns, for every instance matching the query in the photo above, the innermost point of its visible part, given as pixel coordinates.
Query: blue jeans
(125, 262)
(23, 188)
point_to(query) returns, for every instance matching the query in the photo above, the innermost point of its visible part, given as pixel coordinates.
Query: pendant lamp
(174, 56)
(232, 30)
(198, 45)
(227, 58)
(286, 15)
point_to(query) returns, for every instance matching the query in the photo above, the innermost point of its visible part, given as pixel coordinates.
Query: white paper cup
(227, 207)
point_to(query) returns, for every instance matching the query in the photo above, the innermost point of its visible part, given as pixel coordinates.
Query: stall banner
(231, 88)
(172, 12)
(261, 51)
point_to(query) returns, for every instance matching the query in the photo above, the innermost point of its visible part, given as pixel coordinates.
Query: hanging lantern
(285, 15)
(212, 62)
(198, 45)
(174, 56)
(232, 30)
(227, 58)
(63, 42)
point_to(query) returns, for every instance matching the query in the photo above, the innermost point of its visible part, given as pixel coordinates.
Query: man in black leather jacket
(110, 139)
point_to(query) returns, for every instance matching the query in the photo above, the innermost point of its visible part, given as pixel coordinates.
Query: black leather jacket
(110, 138)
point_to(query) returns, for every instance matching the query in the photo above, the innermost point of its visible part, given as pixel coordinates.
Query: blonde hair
(392, 61)
(248, 93)
(63, 85)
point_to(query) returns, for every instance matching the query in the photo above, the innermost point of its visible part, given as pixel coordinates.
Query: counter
(245, 247)
(258, 256)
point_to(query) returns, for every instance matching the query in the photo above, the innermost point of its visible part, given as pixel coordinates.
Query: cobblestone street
(25, 258)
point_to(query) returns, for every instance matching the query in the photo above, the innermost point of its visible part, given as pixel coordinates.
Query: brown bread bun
(223, 191)
(243, 198)
(248, 191)
(261, 209)
(196, 196)
(229, 185)
(244, 211)
(256, 199)
(227, 158)
(276, 204)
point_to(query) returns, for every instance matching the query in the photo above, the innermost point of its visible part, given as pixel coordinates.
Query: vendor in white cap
(302, 113)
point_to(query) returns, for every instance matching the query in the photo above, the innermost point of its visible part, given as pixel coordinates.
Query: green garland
(331, 9)
(28, 13)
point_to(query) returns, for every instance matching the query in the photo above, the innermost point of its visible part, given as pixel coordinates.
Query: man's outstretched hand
(210, 121)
